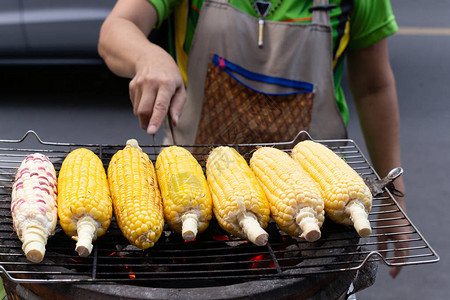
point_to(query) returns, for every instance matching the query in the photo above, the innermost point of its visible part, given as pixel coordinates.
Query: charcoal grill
(215, 263)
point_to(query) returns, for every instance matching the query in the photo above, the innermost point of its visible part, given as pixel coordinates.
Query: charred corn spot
(136, 197)
(341, 186)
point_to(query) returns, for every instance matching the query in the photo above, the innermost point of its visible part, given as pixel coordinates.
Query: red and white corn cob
(34, 204)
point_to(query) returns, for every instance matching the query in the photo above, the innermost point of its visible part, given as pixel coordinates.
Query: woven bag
(234, 113)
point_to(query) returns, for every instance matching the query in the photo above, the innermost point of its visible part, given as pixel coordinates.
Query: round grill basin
(216, 265)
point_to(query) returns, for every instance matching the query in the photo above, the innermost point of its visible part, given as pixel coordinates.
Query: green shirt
(356, 24)
(2, 290)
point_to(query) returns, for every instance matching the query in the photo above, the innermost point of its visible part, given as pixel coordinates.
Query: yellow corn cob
(347, 199)
(240, 205)
(185, 193)
(84, 202)
(295, 200)
(136, 197)
(33, 204)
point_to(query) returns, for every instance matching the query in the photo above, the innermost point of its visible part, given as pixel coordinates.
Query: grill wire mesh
(215, 257)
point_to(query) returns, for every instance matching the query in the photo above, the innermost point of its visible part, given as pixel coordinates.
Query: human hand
(156, 89)
(398, 232)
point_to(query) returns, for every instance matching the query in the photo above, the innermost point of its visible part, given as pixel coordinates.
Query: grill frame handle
(376, 186)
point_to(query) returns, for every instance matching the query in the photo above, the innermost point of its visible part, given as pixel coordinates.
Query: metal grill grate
(215, 258)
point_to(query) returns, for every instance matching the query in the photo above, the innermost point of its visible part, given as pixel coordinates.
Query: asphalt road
(420, 59)
(67, 104)
(90, 105)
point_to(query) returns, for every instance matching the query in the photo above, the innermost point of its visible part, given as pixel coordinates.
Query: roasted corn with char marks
(136, 196)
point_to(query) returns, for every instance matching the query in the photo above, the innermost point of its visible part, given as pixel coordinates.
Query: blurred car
(51, 31)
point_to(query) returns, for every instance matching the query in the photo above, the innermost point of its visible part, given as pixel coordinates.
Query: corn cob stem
(34, 240)
(133, 143)
(86, 228)
(359, 217)
(307, 221)
(255, 234)
(190, 226)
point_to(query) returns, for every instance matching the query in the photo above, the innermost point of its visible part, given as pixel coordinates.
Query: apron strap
(320, 16)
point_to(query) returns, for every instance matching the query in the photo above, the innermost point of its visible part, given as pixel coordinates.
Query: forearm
(123, 38)
(157, 86)
(374, 93)
(373, 89)
(121, 45)
(380, 123)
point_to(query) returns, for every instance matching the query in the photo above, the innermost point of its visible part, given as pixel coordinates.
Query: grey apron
(297, 52)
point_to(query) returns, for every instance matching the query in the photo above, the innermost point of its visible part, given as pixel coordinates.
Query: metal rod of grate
(214, 257)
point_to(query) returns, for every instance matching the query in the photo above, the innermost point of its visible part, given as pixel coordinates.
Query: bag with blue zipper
(236, 110)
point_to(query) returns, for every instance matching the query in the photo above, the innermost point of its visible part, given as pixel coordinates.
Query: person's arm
(372, 84)
(156, 84)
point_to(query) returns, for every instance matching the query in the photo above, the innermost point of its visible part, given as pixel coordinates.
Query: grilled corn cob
(295, 200)
(347, 199)
(136, 197)
(33, 204)
(240, 205)
(84, 201)
(185, 193)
